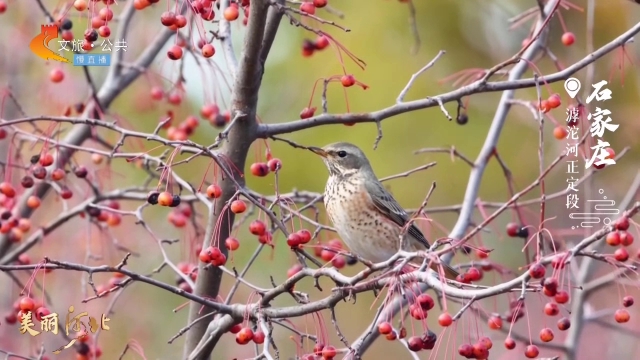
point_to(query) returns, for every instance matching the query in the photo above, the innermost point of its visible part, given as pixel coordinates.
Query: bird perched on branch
(365, 215)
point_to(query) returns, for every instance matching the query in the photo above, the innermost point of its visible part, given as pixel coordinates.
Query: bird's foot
(346, 288)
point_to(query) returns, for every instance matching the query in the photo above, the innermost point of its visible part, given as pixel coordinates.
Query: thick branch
(244, 102)
(267, 130)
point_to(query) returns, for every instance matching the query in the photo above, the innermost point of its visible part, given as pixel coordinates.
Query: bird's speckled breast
(356, 220)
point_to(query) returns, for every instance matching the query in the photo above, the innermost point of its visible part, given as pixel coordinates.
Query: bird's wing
(389, 207)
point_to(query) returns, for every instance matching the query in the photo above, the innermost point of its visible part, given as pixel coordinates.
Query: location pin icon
(572, 85)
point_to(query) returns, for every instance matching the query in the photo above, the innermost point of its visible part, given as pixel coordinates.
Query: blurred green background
(474, 34)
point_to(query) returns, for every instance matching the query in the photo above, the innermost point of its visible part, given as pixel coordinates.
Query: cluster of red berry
(204, 8)
(418, 310)
(164, 198)
(309, 47)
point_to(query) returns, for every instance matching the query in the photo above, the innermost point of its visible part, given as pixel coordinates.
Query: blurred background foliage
(474, 34)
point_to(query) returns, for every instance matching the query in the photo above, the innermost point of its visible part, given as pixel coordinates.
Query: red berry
(308, 7)
(238, 206)
(537, 271)
(551, 309)
(568, 39)
(482, 253)
(531, 352)
(613, 238)
(218, 258)
(274, 164)
(27, 304)
(546, 335)
(244, 336)
(626, 239)
(293, 240)
(259, 169)
(307, 112)
(417, 312)
(622, 316)
(611, 154)
(96, 22)
(627, 301)
(445, 319)
(385, 328)
(231, 13)
(7, 189)
(258, 337)
(207, 14)
(11, 318)
(87, 45)
(320, 3)
(180, 22)
(56, 75)
(554, 101)
(168, 18)
(622, 223)
(67, 35)
(265, 238)
(495, 322)
(205, 255)
(305, 236)
(104, 31)
(157, 93)
(466, 350)
(480, 351)
(429, 340)
(509, 343)
(426, 302)
(414, 343)
(329, 352)
(321, 42)
(550, 292)
(338, 261)
(562, 297)
(235, 329)
(214, 191)
(564, 324)
(621, 255)
(560, 132)
(513, 229)
(209, 110)
(24, 259)
(308, 47)
(165, 198)
(347, 80)
(486, 342)
(474, 274)
(175, 52)
(257, 227)
(208, 50)
(544, 106)
(232, 244)
(46, 159)
(42, 312)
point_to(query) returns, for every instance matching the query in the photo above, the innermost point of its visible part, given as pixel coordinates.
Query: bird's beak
(318, 151)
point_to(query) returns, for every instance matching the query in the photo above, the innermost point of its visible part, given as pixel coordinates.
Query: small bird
(365, 215)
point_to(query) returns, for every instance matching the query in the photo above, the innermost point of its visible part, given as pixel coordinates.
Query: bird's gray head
(342, 158)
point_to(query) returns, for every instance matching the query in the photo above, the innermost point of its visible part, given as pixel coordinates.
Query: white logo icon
(572, 85)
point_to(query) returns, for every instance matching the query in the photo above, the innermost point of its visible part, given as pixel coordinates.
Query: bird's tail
(449, 272)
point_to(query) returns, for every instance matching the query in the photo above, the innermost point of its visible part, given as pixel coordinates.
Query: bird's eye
(342, 153)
